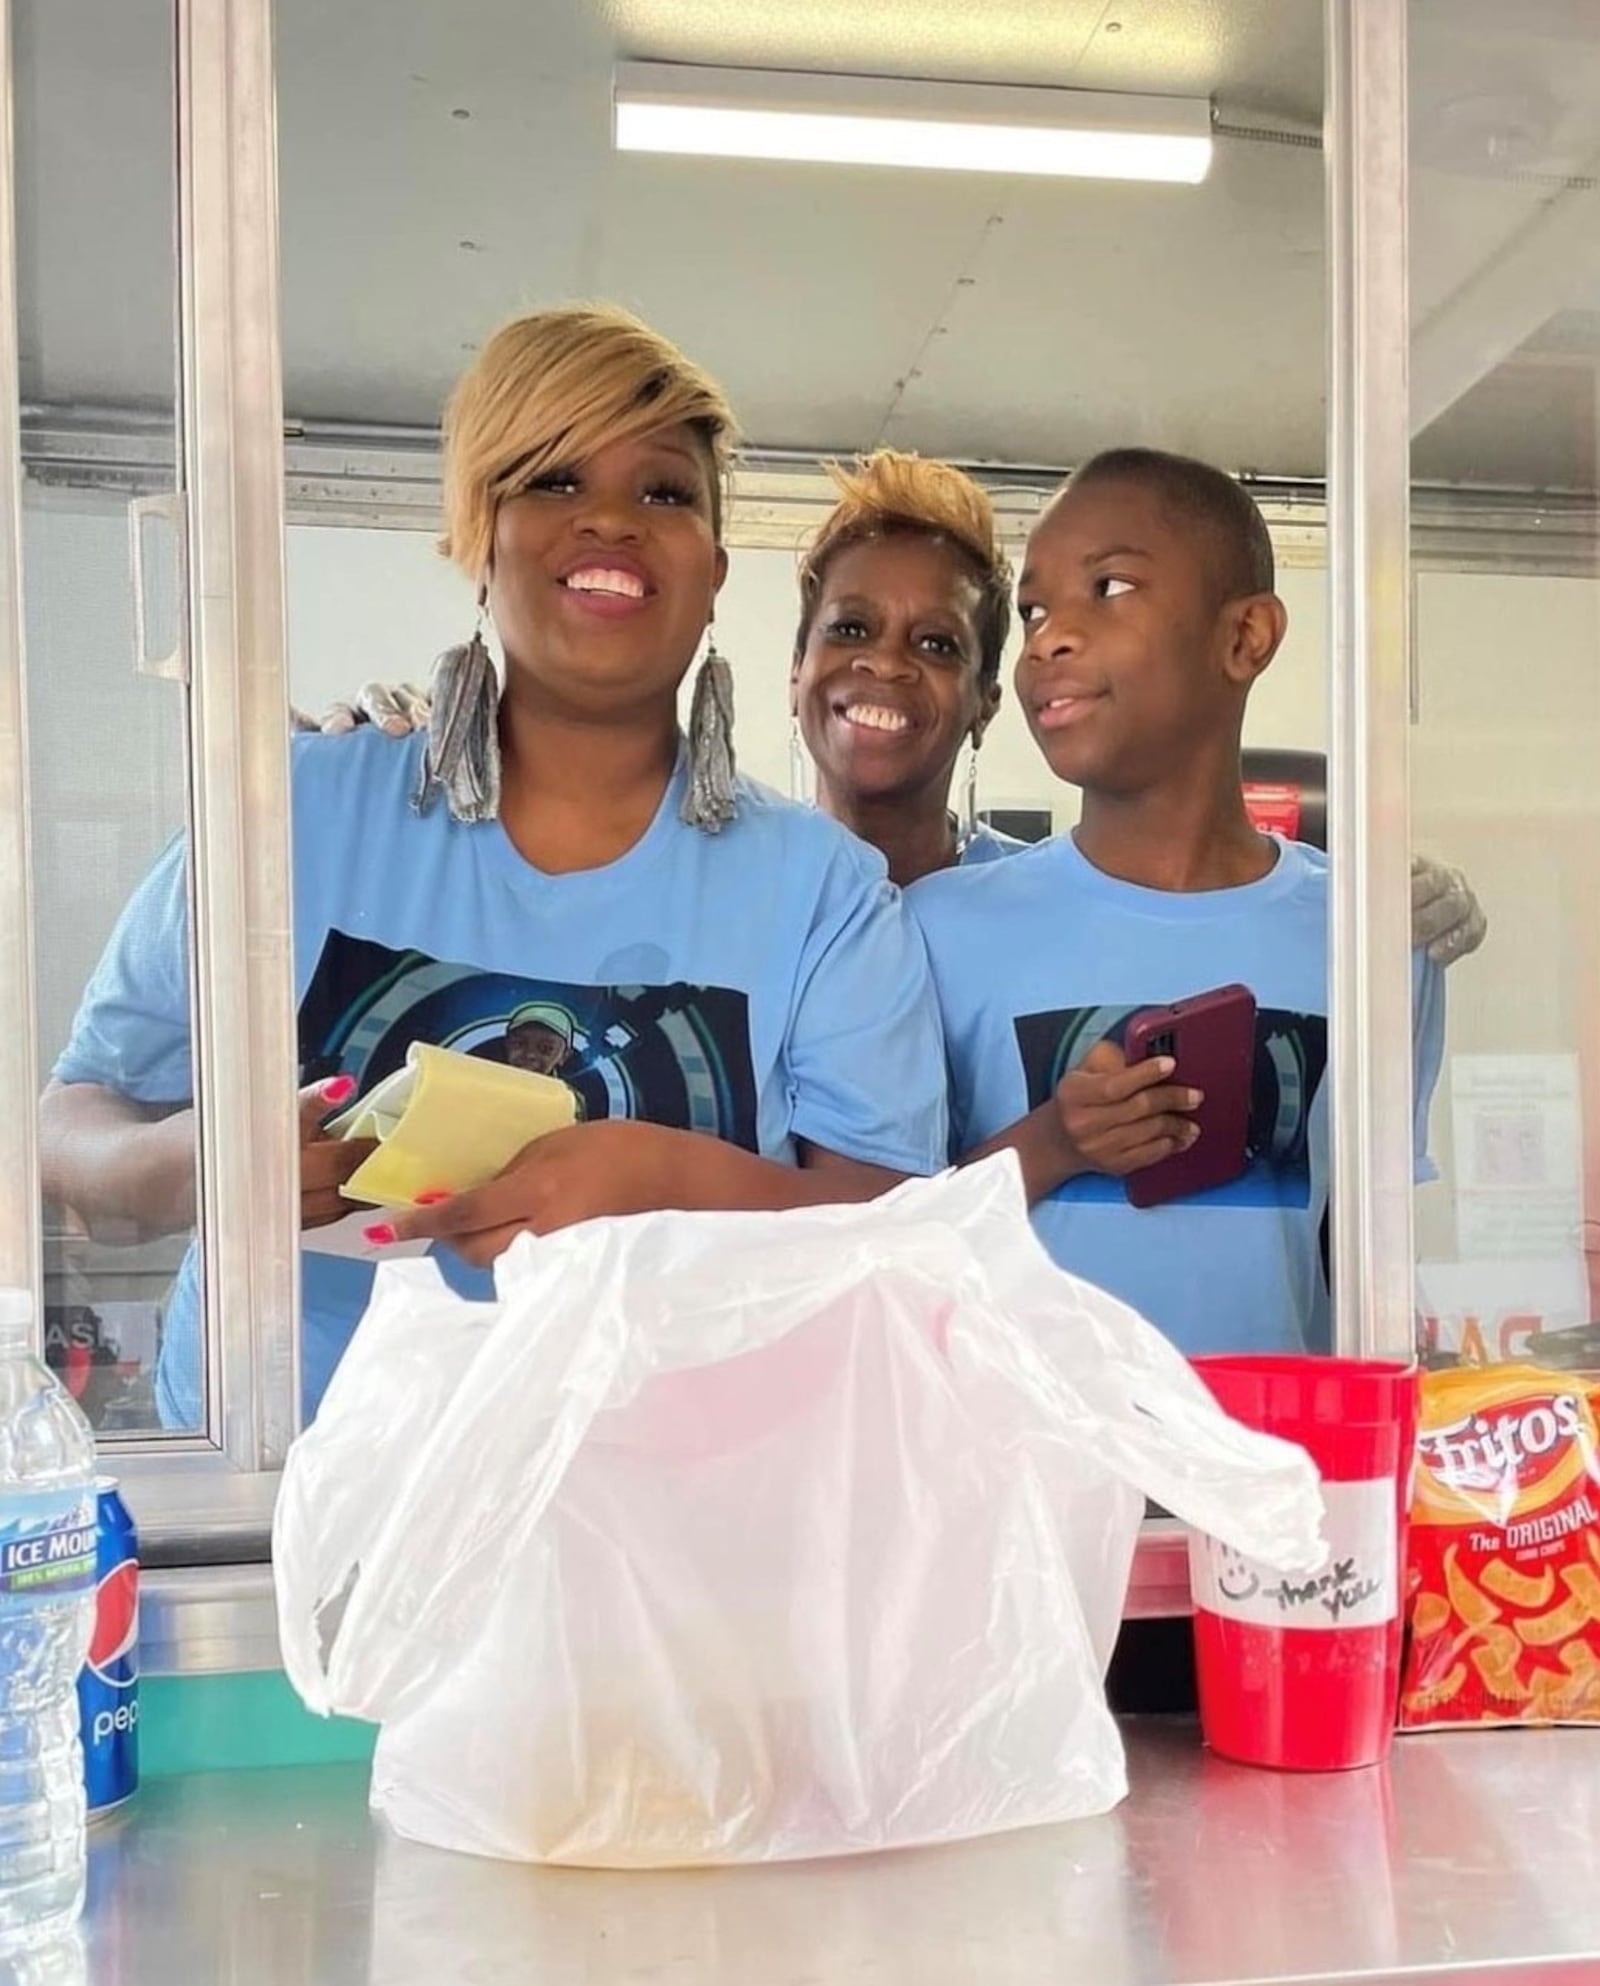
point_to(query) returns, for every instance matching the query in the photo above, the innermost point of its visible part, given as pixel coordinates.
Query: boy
(1148, 612)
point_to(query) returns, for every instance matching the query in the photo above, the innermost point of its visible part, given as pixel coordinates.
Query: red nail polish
(339, 1089)
(432, 1197)
(381, 1234)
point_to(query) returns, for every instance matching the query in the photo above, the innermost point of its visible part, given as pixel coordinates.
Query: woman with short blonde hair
(905, 602)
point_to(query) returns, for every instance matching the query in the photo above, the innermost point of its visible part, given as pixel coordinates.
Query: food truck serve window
(226, 507)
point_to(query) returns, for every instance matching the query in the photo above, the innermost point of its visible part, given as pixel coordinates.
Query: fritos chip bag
(1504, 1575)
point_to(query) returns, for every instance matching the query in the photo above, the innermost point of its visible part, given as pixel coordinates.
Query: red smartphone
(1212, 1039)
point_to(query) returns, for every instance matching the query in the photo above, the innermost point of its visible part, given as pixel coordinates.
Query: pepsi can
(108, 1685)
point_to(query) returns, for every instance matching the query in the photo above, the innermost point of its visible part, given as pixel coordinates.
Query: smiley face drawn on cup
(1235, 1580)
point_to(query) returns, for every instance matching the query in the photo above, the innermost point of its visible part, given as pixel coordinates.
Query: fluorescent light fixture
(880, 120)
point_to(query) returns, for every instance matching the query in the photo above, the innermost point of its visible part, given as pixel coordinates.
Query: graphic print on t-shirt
(676, 1055)
(1290, 1060)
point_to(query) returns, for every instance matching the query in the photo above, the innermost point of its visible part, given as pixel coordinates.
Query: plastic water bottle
(47, 1578)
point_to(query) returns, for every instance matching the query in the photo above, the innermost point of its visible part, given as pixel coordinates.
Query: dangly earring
(710, 799)
(799, 783)
(969, 795)
(462, 755)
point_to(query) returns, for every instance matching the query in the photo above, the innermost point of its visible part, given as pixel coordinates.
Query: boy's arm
(1105, 1117)
(1040, 1143)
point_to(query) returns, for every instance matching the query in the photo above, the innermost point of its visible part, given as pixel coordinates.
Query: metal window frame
(199, 1497)
(242, 954)
(1369, 639)
(21, 1244)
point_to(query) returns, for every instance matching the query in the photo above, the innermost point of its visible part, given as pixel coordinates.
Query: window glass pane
(1505, 139)
(95, 278)
(460, 168)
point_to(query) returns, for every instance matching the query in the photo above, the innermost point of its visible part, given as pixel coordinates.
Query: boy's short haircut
(1199, 495)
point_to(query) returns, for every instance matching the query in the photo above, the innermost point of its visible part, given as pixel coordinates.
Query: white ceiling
(445, 162)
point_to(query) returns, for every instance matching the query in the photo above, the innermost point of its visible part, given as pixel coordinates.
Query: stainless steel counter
(1472, 1857)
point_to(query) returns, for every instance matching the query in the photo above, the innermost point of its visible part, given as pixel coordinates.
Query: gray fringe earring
(462, 756)
(709, 799)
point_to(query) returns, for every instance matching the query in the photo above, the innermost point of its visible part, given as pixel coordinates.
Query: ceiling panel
(1250, 51)
(812, 325)
(1530, 425)
(95, 200)
(447, 162)
(1116, 316)
(841, 307)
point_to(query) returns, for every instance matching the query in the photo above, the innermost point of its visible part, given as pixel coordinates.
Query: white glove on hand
(1447, 920)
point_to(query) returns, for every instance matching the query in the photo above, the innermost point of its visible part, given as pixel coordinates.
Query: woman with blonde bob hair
(727, 982)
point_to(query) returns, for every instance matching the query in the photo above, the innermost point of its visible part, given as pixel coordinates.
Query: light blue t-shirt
(1044, 956)
(764, 985)
(987, 844)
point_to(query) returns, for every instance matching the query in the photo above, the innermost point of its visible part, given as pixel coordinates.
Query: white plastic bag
(741, 1537)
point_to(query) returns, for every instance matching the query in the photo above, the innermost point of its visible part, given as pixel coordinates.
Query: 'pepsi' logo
(116, 1624)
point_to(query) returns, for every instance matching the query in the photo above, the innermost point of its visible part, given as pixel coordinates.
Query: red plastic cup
(1304, 1674)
